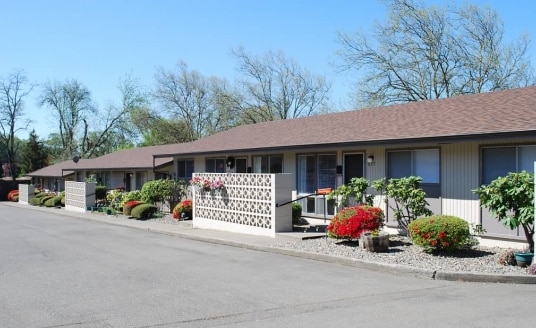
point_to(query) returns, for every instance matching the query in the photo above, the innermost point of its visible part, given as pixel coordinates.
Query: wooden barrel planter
(371, 243)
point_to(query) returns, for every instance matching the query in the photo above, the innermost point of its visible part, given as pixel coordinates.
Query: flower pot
(379, 243)
(523, 259)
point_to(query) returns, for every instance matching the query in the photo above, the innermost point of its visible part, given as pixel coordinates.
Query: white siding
(459, 176)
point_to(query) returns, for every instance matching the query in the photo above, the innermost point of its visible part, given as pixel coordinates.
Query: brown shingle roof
(55, 170)
(133, 158)
(469, 116)
(127, 159)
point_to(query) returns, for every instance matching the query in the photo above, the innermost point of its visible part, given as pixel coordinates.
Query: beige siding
(460, 175)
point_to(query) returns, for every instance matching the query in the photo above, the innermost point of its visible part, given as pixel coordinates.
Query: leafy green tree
(511, 200)
(34, 154)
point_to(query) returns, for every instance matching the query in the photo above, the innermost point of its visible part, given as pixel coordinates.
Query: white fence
(247, 204)
(79, 196)
(26, 193)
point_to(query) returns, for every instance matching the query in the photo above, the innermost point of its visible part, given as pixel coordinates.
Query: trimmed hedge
(128, 206)
(439, 233)
(54, 201)
(100, 192)
(37, 199)
(143, 211)
(296, 213)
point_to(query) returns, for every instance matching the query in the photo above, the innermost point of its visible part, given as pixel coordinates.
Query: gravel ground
(478, 259)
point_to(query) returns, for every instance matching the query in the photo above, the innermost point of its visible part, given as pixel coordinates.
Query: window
(316, 172)
(241, 165)
(185, 168)
(141, 178)
(499, 161)
(422, 163)
(268, 164)
(215, 165)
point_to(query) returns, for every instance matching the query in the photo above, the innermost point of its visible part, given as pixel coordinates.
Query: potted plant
(511, 200)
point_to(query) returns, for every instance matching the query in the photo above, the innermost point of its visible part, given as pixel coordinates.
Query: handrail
(290, 201)
(319, 192)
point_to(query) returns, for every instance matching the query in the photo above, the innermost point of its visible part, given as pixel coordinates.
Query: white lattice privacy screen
(26, 193)
(79, 195)
(247, 204)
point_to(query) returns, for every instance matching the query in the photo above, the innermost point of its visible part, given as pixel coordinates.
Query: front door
(127, 181)
(354, 167)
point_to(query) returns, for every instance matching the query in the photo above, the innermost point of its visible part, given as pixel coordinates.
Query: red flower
(351, 222)
(132, 203)
(442, 235)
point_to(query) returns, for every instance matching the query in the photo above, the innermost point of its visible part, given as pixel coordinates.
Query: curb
(369, 265)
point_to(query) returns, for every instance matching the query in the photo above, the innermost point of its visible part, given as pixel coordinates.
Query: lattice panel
(246, 200)
(75, 194)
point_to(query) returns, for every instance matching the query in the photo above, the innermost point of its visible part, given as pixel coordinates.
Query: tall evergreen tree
(34, 154)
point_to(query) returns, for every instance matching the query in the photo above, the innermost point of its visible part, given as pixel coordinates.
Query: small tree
(163, 191)
(356, 188)
(511, 200)
(408, 198)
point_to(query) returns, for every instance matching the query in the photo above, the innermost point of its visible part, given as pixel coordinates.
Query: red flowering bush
(13, 195)
(439, 233)
(128, 206)
(352, 222)
(185, 207)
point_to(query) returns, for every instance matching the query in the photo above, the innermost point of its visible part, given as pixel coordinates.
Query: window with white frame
(316, 171)
(268, 164)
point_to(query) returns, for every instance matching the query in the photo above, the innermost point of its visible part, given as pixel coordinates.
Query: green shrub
(45, 198)
(439, 233)
(53, 201)
(296, 213)
(37, 200)
(100, 192)
(143, 211)
(408, 200)
(155, 191)
(62, 202)
(131, 195)
(128, 206)
(511, 200)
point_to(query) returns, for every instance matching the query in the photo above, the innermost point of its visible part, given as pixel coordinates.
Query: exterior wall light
(370, 160)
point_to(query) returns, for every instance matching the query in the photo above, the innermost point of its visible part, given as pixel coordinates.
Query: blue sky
(97, 42)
